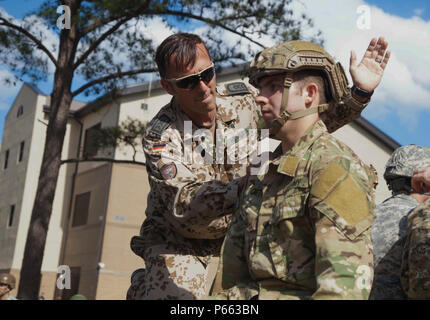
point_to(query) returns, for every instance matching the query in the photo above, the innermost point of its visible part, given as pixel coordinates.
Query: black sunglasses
(190, 81)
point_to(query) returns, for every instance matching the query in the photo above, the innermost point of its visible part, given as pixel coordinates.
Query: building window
(20, 111)
(11, 214)
(144, 106)
(90, 146)
(82, 205)
(75, 277)
(21, 151)
(6, 159)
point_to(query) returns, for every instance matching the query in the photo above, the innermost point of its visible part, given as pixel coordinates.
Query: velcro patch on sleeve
(236, 88)
(349, 201)
(158, 147)
(160, 124)
(341, 192)
(289, 165)
(328, 180)
(168, 171)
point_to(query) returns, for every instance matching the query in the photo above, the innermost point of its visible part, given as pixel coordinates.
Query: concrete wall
(13, 179)
(125, 214)
(85, 242)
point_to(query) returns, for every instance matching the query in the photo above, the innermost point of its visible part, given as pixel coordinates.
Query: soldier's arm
(342, 214)
(196, 206)
(415, 271)
(233, 268)
(366, 75)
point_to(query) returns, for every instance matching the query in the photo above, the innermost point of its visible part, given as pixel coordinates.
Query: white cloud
(7, 92)
(406, 81)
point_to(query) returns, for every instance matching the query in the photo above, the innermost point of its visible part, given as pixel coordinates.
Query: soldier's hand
(421, 180)
(368, 73)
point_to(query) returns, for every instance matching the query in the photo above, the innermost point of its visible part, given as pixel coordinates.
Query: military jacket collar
(287, 163)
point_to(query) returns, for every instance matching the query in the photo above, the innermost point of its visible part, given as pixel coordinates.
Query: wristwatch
(360, 92)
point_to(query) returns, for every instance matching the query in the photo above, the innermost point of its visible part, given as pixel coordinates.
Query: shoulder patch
(341, 192)
(168, 171)
(234, 88)
(160, 124)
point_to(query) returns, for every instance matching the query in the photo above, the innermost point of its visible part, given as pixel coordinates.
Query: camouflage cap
(8, 279)
(405, 160)
(292, 56)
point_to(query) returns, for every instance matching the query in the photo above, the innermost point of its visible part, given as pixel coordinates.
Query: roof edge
(377, 133)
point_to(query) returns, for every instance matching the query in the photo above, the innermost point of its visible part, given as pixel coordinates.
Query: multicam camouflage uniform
(190, 205)
(389, 228)
(415, 271)
(302, 231)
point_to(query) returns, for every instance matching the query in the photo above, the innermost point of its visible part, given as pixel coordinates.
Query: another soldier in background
(7, 284)
(389, 229)
(415, 271)
(190, 202)
(303, 230)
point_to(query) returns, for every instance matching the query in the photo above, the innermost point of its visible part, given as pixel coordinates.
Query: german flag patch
(158, 147)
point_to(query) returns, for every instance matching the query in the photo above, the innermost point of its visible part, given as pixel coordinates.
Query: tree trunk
(30, 277)
(61, 99)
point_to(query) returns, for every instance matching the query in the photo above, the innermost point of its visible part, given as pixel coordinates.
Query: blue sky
(399, 107)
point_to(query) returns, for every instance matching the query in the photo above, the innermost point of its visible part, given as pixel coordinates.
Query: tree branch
(209, 21)
(96, 43)
(110, 77)
(31, 37)
(76, 160)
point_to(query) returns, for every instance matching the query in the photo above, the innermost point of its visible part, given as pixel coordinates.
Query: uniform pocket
(287, 238)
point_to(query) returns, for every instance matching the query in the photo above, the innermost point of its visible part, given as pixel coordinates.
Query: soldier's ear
(310, 92)
(168, 87)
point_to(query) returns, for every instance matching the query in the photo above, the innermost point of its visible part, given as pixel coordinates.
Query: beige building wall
(13, 179)
(371, 151)
(125, 214)
(84, 242)
(31, 128)
(131, 107)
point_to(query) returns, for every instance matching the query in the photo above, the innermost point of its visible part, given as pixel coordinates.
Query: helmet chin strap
(277, 123)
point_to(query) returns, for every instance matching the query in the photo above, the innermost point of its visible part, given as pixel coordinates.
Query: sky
(400, 106)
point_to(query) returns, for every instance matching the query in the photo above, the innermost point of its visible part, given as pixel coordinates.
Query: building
(99, 206)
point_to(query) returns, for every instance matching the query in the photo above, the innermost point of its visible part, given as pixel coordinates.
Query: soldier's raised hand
(368, 73)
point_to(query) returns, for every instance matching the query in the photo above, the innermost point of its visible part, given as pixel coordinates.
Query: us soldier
(389, 228)
(7, 284)
(415, 270)
(190, 203)
(303, 230)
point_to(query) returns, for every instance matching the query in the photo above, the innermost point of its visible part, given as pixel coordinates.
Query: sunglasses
(190, 81)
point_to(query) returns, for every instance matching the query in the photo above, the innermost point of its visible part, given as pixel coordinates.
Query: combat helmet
(290, 57)
(8, 279)
(401, 165)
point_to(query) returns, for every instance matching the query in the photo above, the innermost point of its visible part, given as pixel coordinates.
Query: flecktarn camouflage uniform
(302, 231)
(389, 228)
(415, 271)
